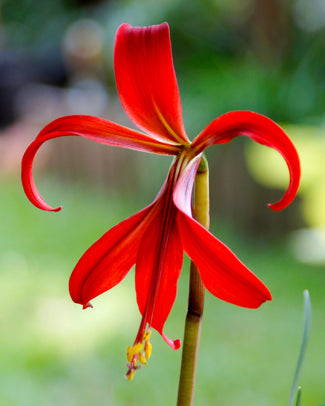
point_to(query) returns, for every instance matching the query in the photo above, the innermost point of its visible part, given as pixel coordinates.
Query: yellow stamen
(142, 358)
(147, 335)
(132, 351)
(138, 347)
(140, 352)
(129, 353)
(148, 350)
(177, 138)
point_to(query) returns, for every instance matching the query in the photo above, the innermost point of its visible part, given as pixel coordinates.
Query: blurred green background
(56, 59)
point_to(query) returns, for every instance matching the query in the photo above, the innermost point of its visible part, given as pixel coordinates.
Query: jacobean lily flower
(154, 239)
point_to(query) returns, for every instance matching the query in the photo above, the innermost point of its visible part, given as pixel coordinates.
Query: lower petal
(222, 273)
(108, 261)
(157, 271)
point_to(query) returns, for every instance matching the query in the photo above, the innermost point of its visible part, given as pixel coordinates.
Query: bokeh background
(56, 59)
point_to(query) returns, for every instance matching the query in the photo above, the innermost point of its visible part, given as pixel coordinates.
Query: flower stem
(196, 295)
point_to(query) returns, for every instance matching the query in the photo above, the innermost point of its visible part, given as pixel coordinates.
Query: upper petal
(146, 80)
(262, 130)
(109, 259)
(93, 128)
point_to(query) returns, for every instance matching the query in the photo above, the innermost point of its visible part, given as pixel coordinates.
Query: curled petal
(262, 130)
(95, 129)
(158, 267)
(146, 80)
(222, 273)
(108, 261)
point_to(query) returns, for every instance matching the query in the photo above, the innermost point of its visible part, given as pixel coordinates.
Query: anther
(147, 350)
(130, 376)
(147, 335)
(129, 353)
(142, 358)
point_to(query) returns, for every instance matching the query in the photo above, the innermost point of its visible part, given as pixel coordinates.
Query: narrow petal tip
(267, 298)
(86, 305)
(174, 344)
(57, 209)
(177, 344)
(41, 204)
(276, 206)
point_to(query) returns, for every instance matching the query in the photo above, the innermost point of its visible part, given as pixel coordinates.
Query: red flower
(154, 239)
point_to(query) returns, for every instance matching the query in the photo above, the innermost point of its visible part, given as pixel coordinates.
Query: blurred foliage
(228, 55)
(55, 353)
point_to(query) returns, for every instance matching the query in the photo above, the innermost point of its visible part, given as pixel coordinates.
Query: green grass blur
(53, 353)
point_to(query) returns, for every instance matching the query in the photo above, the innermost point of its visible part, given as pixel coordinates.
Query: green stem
(196, 295)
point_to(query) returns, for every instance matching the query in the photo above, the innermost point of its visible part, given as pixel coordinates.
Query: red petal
(146, 80)
(262, 130)
(108, 261)
(93, 128)
(221, 271)
(158, 267)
